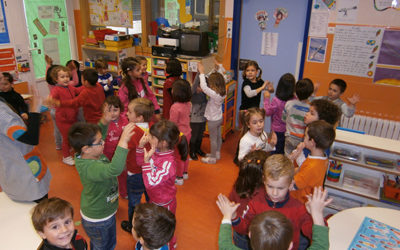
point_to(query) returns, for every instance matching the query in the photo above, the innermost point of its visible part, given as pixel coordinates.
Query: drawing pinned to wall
(111, 12)
(171, 11)
(388, 66)
(184, 15)
(262, 17)
(318, 23)
(317, 49)
(382, 5)
(40, 26)
(54, 28)
(269, 44)
(347, 11)
(324, 5)
(280, 14)
(355, 50)
(4, 38)
(46, 12)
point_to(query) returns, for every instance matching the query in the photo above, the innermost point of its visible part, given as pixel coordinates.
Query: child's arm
(315, 206)
(244, 147)
(174, 114)
(140, 149)
(251, 93)
(203, 85)
(349, 109)
(298, 154)
(227, 209)
(270, 107)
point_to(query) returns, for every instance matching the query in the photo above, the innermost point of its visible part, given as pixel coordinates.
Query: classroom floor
(198, 217)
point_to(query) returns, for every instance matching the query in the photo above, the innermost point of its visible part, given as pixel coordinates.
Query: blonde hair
(216, 82)
(277, 166)
(144, 107)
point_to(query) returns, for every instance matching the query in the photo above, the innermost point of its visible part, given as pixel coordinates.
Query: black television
(193, 43)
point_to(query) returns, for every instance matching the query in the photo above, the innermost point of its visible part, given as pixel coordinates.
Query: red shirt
(65, 94)
(91, 99)
(131, 163)
(167, 97)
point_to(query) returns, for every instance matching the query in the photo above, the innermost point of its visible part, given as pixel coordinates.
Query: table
(344, 225)
(16, 227)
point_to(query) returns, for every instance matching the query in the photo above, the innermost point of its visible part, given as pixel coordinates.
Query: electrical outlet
(229, 29)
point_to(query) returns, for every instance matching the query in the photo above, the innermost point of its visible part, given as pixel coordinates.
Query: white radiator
(372, 126)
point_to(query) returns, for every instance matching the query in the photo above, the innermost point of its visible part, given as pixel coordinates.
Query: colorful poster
(111, 13)
(355, 50)
(317, 49)
(388, 66)
(4, 38)
(373, 234)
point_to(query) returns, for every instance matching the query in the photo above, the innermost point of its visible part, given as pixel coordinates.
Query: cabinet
(112, 55)
(362, 180)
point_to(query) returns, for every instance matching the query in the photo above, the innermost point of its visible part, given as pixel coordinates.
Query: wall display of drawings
(111, 13)
(4, 38)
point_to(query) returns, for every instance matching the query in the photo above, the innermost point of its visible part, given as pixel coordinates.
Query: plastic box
(100, 34)
(391, 191)
(118, 44)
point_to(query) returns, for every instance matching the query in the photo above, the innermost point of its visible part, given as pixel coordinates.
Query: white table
(344, 225)
(16, 229)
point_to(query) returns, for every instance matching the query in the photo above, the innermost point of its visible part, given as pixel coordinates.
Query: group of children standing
(126, 130)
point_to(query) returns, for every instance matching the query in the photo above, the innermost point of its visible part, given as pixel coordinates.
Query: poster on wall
(355, 50)
(347, 11)
(317, 49)
(387, 70)
(4, 38)
(111, 13)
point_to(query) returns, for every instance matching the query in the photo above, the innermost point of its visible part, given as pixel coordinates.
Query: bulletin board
(111, 13)
(47, 22)
(4, 37)
(357, 41)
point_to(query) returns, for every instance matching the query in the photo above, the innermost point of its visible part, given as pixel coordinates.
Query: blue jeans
(241, 241)
(103, 235)
(135, 188)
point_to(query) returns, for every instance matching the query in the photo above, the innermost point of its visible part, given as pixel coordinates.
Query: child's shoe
(68, 160)
(201, 153)
(179, 181)
(217, 155)
(185, 176)
(209, 160)
(126, 226)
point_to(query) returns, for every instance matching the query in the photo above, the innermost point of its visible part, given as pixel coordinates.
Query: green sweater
(320, 236)
(99, 197)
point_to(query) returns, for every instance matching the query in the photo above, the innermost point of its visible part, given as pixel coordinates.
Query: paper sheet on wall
(347, 11)
(355, 50)
(50, 48)
(318, 23)
(269, 43)
(54, 28)
(46, 12)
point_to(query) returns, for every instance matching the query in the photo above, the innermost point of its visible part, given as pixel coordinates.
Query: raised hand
(107, 117)
(270, 87)
(227, 208)
(148, 154)
(296, 153)
(145, 139)
(354, 99)
(200, 67)
(316, 203)
(273, 139)
(267, 95)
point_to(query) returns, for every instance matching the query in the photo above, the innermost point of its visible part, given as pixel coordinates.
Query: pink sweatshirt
(180, 115)
(113, 134)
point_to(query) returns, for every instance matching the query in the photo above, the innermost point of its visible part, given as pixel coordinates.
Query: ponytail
(183, 147)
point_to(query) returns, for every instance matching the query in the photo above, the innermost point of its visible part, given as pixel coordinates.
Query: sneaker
(126, 226)
(69, 160)
(201, 153)
(217, 155)
(193, 156)
(179, 181)
(209, 160)
(185, 176)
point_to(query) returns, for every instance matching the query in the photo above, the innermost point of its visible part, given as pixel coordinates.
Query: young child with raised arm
(53, 221)
(104, 78)
(294, 113)
(335, 91)
(11, 96)
(99, 197)
(278, 180)
(318, 137)
(140, 111)
(153, 227)
(272, 230)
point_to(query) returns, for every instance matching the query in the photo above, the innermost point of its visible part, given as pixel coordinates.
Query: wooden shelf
(161, 77)
(157, 86)
(158, 95)
(158, 67)
(339, 186)
(360, 164)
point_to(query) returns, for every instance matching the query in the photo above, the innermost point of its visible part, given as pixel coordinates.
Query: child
(319, 136)
(133, 84)
(278, 180)
(336, 90)
(53, 221)
(274, 108)
(294, 113)
(153, 227)
(174, 72)
(252, 85)
(272, 229)
(321, 109)
(143, 64)
(24, 173)
(104, 78)
(248, 185)
(158, 164)
(216, 91)
(99, 197)
(253, 135)
(76, 77)
(180, 114)
(65, 116)
(140, 111)
(11, 96)
(114, 125)
(91, 97)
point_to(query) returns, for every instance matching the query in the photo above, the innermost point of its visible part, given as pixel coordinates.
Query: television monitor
(193, 43)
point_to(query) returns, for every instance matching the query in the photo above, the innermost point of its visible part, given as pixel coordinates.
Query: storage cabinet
(112, 55)
(368, 164)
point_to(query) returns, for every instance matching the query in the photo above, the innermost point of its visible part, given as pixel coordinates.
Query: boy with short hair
(153, 227)
(319, 136)
(104, 78)
(91, 97)
(294, 113)
(99, 197)
(278, 180)
(321, 109)
(11, 96)
(53, 221)
(140, 112)
(272, 230)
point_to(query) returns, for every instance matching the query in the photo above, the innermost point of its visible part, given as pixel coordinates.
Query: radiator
(372, 126)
